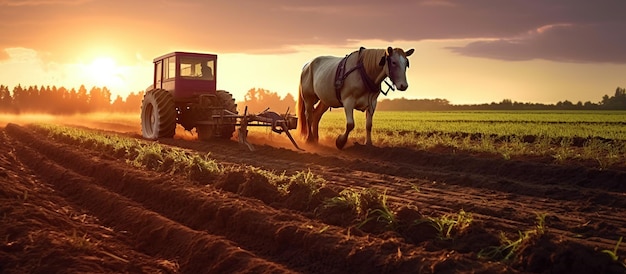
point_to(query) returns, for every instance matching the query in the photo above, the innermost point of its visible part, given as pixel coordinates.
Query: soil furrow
(185, 220)
(515, 191)
(249, 223)
(195, 251)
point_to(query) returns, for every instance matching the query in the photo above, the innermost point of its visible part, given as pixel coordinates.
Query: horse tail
(300, 109)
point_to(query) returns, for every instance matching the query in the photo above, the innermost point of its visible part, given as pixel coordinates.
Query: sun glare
(104, 72)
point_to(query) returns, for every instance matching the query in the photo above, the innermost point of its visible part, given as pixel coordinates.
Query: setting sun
(103, 70)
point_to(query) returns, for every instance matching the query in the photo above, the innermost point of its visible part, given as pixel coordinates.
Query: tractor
(184, 92)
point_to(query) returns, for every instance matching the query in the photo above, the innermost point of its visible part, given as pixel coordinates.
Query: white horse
(329, 81)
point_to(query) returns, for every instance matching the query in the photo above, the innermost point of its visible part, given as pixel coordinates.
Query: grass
(139, 153)
(605, 124)
(380, 212)
(613, 253)
(450, 225)
(367, 205)
(509, 247)
(500, 133)
(508, 134)
(172, 160)
(308, 179)
(83, 242)
(347, 198)
(311, 182)
(359, 201)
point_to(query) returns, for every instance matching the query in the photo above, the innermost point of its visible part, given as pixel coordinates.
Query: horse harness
(341, 74)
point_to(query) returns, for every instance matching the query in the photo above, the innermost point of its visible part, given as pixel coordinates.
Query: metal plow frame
(263, 119)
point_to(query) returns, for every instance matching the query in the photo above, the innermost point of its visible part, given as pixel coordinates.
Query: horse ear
(389, 51)
(409, 52)
(382, 61)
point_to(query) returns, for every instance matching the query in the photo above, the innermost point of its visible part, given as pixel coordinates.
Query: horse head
(395, 63)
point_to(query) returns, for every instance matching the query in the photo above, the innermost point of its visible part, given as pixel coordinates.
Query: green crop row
(609, 125)
(368, 208)
(369, 205)
(139, 153)
(154, 156)
(599, 137)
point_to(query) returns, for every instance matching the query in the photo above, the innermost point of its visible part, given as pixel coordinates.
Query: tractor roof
(186, 54)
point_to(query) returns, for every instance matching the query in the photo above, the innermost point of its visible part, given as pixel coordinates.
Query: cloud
(4, 55)
(437, 3)
(565, 42)
(19, 3)
(280, 26)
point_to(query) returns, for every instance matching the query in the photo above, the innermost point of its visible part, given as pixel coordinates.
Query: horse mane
(371, 60)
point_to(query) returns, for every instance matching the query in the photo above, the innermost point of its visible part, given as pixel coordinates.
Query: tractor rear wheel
(227, 127)
(158, 115)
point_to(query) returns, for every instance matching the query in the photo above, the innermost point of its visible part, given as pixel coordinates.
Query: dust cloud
(130, 123)
(119, 122)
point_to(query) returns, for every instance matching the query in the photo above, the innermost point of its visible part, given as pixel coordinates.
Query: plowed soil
(69, 209)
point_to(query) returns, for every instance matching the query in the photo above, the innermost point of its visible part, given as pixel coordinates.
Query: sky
(466, 51)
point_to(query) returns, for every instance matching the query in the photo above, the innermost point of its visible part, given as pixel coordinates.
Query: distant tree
(47, 99)
(616, 102)
(133, 102)
(258, 99)
(289, 102)
(118, 104)
(20, 97)
(99, 99)
(81, 102)
(579, 105)
(404, 104)
(6, 101)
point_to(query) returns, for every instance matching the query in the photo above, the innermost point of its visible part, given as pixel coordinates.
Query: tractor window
(208, 69)
(188, 69)
(197, 68)
(170, 72)
(158, 72)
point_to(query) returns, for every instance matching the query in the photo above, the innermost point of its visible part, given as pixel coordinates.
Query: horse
(326, 82)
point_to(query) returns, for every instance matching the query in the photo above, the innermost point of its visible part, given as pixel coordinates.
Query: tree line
(53, 100)
(615, 102)
(258, 99)
(60, 100)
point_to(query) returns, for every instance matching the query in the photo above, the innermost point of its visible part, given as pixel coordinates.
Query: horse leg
(369, 114)
(310, 117)
(320, 109)
(343, 138)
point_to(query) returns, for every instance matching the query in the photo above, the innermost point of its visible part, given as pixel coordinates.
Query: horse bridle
(387, 58)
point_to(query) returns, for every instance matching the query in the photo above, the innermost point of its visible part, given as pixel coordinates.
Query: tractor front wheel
(158, 115)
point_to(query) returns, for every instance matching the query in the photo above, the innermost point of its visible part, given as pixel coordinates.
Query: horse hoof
(340, 142)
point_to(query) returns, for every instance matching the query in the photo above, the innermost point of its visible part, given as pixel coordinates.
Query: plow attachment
(278, 123)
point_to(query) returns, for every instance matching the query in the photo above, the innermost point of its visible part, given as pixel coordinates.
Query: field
(440, 192)
(590, 136)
